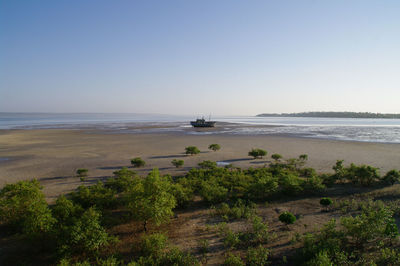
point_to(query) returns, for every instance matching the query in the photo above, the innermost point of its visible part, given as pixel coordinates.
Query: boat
(202, 123)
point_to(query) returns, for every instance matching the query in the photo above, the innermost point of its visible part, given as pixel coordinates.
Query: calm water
(369, 130)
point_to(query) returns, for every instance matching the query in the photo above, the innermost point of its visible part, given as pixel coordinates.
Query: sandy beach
(53, 155)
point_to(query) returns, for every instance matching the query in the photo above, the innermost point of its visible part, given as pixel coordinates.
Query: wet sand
(53, 155)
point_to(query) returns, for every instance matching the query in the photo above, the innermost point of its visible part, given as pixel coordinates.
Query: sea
(347, 129)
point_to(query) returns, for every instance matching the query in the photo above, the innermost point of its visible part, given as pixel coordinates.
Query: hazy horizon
(199, 57)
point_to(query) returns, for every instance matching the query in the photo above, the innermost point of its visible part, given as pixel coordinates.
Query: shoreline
(53, 155)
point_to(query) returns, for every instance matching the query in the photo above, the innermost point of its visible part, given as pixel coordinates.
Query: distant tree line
(333, 115)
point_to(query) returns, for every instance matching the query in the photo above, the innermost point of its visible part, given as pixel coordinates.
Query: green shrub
(86, 235)
(364, 175)
(208, 165)
(238, 211)
(82, 172)
(289, 183)
(24, 208)
(263, 187)
(257, 256)
(183, 194)
(153, 245)
(150, 200)
(326, 202)
(308, 172)
(204, 246)
(260, 232)
(392, 177)
(123, 179)
(257, 153)
(96, 195)
(232, 260)
(65, 211)
(231, 239)
(313, 185)
(287, 218)
(213, 193)
(177, 163)
(276, 156)
(138, 162)
(192, 150)
(214, 147)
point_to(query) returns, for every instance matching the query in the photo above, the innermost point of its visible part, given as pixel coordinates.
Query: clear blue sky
(199, 57)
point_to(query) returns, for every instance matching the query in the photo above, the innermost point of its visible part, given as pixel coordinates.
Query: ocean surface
(351, 129)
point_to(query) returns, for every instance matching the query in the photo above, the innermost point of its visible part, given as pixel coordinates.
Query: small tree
(138, 162)
(276, 156)
(82, 172)
(177, 163)
(23, 206)
(214, 147)
(192, 150)
(326, 202)
(257, 153)
(150, 200)
(287, 218)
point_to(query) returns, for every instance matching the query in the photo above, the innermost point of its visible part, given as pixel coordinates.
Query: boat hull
(204, 124)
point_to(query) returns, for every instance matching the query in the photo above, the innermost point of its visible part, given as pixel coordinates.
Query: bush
(99, 195)
(138, 162)
(326, 202)
(192, 150)
(257, 256)
(177, 163)
(183, 194)
(214, 147)
(150, 200)
(238, 211)
(276, 156)
(82, 172)
(232, 260)
(123, 179)
(213, 193)
(24, 208)
(208, 164)
(364, 175)
(257, 153)
(86, 235)
(287, 218)
(153, 245)
(392, 177)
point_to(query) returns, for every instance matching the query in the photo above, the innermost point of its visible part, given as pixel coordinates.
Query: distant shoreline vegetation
(333, 115)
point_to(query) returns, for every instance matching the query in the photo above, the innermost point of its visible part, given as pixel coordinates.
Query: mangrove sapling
(214, 147)
(276, 157)
(82, 173)
(177, 163)
(257, 153)
(192, 150)
(326, 202)
(392, 177)
(287, 218)
(138, 162)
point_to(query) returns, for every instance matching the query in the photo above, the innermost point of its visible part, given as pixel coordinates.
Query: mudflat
(53, 155)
